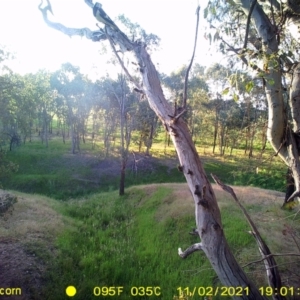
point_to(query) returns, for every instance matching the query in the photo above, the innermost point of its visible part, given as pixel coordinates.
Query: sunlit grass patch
(133, 240)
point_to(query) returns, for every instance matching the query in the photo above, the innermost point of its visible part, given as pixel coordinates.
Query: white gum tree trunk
(279, 133)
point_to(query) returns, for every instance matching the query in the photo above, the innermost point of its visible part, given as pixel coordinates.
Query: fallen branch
(260, 260)
(268, 258)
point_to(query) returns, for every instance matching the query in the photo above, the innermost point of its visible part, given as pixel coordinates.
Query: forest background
(67, 136)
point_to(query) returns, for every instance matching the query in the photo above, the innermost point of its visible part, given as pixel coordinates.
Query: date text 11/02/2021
(236, 291)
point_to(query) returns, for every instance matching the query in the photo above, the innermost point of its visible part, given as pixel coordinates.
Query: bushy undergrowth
(273, 179)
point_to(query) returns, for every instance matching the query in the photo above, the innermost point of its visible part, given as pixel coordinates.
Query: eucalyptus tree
(8, 102)
(73, 98)
(217, 78)
(208, 217)
(9, 87)
(6, 84)
(27, 107)
(41, 96)
(18, 107)
(122, 100)
(197, 95)
(19, 110)
(248, 92)
(264, 35)
(146, 123)
(230, 118)
(107, 111)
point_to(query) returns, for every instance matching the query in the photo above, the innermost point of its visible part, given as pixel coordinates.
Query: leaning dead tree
(208, 218)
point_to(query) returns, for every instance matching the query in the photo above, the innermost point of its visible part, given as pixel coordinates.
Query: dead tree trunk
(208, 218)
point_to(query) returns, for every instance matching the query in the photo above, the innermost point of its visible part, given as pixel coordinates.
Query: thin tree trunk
(123, 154)
(122, 178)
(64, 132)
(215, 131)
(151, 135)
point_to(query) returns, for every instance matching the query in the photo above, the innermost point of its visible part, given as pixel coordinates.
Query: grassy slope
(133, 240)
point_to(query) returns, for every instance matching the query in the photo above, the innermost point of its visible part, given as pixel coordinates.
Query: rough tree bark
(208, 218)
(295, 98)
(279, 133)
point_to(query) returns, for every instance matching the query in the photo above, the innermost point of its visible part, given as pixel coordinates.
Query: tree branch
(272, 75)
(248, 23)
(190, 65)
(267, 256)
(89, 3)
(190, 250)
(240, 53)
(138, 87)
(269, 261)
(95, 36)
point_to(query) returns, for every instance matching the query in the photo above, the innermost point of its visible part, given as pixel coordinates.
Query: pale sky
(37, 46)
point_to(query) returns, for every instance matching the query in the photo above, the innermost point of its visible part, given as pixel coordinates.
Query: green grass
(56, 173)
(240, 170)
(48, 171)
(126, 242)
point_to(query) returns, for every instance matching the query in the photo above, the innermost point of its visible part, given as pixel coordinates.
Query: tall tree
(6, 85)
(217, 77)
(208, 218)
(146, 125)
(264, 37)
(122, 100)
(43, 95)
(73, 100)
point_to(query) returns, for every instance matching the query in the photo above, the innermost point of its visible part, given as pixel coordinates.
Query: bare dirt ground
(31, 222)
(34, 222)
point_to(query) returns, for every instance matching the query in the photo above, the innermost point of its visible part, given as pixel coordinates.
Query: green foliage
(136, 32)
(236, 97)
(272, 179)
(249, 86)
(7, 167)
